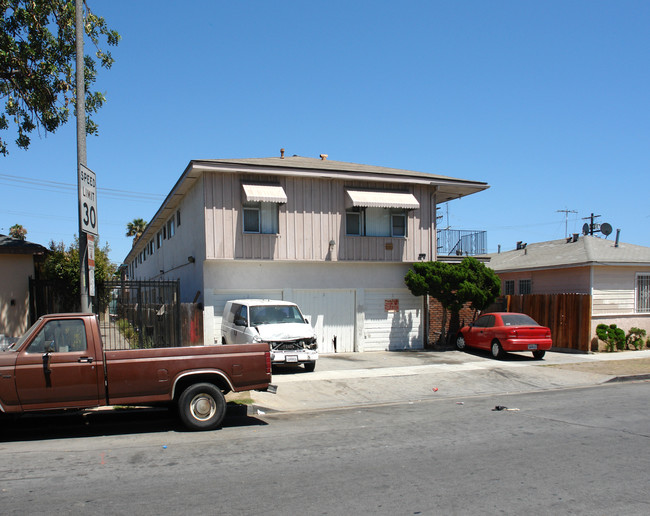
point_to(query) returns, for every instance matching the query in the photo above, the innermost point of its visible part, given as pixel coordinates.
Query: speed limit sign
(87, 200)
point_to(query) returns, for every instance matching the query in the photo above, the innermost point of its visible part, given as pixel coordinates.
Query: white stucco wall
(15, 270)
(284, 277)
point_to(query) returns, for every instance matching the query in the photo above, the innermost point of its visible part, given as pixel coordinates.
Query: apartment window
(159, 239)
(398, 225)
(261, 217)
(381, 222)
(509, 287)
(642, 293)
(525, 286)
(170, 228)
(178, 218)
(354, 223)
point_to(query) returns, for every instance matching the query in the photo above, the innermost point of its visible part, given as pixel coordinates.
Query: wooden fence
(567, 315)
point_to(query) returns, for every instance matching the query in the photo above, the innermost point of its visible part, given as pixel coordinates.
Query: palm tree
(135, 228)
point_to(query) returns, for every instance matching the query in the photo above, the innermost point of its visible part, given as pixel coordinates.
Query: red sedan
(505, 331)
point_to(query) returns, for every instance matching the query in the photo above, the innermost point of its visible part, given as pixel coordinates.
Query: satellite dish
(585, 229)
(606, 229)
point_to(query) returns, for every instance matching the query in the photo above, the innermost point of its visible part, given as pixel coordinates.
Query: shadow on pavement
(40, 427)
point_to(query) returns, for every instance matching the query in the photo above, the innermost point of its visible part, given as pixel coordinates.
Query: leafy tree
(18, 232)
(453, 285)
(37, 65)
(62, 266)
(135, 228)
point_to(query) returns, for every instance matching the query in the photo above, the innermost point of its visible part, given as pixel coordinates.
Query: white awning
(381, 199)
(264, 193)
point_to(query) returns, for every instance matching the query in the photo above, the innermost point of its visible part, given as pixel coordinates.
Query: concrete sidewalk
(353, 379)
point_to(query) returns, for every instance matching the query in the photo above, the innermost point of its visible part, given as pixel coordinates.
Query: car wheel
(539, 354)
(310, 366)
(497, 350)
(202, 407)
(460, 343)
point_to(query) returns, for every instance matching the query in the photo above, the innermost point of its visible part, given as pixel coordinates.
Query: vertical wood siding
(313, 216)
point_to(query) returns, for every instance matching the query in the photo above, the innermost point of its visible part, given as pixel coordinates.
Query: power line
(57, 186)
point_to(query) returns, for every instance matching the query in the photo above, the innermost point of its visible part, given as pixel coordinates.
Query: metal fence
(140, 314)
(461, 242)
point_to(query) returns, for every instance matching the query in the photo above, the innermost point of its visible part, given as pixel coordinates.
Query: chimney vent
(323, 157)
(281, 153)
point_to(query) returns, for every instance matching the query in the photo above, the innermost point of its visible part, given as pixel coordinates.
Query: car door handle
(85, 360)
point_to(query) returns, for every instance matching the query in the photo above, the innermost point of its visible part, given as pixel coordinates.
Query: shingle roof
(9, 245)
(587, 250)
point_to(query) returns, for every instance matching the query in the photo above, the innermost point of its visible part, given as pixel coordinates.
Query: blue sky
(548, 102)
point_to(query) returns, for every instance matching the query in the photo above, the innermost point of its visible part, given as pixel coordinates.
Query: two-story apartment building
(336, 238)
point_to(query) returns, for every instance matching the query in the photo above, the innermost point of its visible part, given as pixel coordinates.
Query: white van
(280, 323)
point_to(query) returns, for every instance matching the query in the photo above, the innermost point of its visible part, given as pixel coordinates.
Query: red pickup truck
(60, 364)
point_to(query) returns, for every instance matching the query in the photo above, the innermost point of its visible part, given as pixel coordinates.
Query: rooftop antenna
(566, 220)
(592, 227)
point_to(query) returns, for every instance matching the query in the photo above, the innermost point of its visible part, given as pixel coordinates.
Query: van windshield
(277, 314)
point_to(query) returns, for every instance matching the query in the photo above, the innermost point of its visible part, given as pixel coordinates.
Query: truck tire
(202, 407)
(310, 366)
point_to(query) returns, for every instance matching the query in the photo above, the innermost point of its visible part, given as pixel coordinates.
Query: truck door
(58, 368)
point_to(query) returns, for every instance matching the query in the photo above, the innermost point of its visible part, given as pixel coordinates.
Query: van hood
(285, 331)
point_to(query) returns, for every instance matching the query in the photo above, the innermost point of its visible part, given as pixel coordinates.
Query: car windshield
(518, 320)
(275, 314)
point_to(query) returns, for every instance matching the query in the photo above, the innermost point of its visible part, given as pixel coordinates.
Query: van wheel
(202, 407)
(310, 366)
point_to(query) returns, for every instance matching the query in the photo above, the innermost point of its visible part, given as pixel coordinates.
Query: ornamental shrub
(636, 337)
(612, 335)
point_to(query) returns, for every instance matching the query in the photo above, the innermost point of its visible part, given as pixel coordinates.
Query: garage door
(219, 299)
(393, 320)
(331, 314)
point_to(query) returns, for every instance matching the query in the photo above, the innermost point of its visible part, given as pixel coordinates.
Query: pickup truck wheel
(310, 366)
(202, 407)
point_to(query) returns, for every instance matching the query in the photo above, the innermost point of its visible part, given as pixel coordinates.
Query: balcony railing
(459, 242)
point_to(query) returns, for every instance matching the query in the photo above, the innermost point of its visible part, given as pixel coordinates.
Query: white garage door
(219, 299)
(393, 320)
(331, 314)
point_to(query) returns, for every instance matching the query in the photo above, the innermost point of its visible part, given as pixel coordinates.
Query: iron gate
(140, 314)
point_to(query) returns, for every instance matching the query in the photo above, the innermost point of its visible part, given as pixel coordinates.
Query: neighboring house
(616, 275)
(17, 264)
(336, 238)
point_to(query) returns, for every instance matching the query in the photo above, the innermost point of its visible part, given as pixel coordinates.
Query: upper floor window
(381, 222)
(170, 228)
(261, 217)
(525, 286)
(378, 212)
(159, 239)
(178, 218)
(509, 287)
(642, 293)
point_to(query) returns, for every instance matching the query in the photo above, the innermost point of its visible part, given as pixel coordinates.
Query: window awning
(264, 193)
(381, 199)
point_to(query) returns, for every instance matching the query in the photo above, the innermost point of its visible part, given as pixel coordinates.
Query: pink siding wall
(313, 216)
(573, 280)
